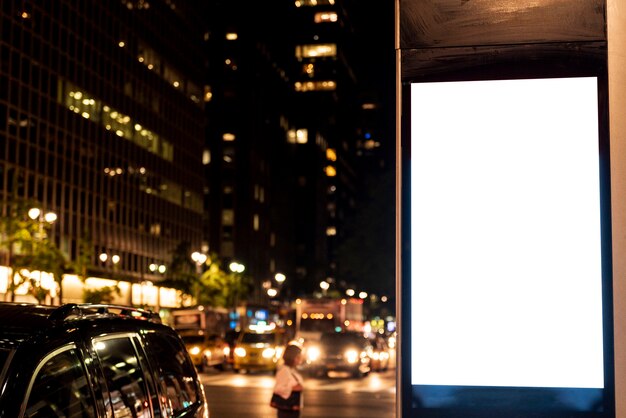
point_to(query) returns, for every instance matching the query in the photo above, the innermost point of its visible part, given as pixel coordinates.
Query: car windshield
(193, 339)
(257, 338)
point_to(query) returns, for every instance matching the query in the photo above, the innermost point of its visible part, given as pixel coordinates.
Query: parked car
(205, 350)
(94, 361)
(341, 352)
(380, 354)
(258, 351)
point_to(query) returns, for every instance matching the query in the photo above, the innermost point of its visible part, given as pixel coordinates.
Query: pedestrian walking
(287, 397)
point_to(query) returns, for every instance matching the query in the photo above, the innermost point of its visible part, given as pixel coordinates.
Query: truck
(315, 316)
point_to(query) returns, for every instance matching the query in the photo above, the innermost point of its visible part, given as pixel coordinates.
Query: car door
(176, 377)
(60, 387)
(126, 376)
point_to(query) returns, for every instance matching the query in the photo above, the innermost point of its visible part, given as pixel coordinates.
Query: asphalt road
(237, 396)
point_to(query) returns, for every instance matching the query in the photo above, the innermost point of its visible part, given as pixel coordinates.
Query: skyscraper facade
(102, 122)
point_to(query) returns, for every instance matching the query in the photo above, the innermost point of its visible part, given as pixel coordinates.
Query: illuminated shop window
(316, 50)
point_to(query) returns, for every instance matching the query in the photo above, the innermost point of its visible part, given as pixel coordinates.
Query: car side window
(60, 388)
(176, 374)
(128, 394)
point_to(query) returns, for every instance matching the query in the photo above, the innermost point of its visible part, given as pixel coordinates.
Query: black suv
(94, 361)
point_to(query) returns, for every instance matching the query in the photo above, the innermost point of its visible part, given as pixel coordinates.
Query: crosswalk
(373, 383)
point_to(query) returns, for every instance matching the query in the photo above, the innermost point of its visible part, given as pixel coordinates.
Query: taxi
(205, 351)
(258, 351)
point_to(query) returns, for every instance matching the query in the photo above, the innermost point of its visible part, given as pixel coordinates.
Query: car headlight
(375, 356)
(240, 351)
(351, 356)
(226, 351)
(268, 353)
(313, 353)
(195, 350)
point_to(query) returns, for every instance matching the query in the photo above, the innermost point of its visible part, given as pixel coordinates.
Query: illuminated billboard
(507, 266)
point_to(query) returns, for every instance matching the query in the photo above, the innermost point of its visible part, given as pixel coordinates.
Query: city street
(233, 395)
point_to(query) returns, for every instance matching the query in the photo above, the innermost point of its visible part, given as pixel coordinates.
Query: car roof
(22, 321)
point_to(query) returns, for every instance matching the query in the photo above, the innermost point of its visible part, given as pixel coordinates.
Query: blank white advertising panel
(506, 285)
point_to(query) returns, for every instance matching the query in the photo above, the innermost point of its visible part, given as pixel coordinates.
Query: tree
(220, 288)
(181, 275)
(102, 295)
(80, 265)
(28, 248)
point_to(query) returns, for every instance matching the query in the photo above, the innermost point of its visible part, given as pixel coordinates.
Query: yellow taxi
(258, 351)
(205, 351)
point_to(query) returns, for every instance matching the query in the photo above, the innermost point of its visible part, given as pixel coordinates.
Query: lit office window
(309, 69)
(81, 103)
(330, 171)
(331, 231)
(313, 3)
(228, 217)
(228, 137)
(331, 155)
(206, 157)
(255, 222)
(316, 50)
(315, 86)
(323, 17)
(231, 36)
(298, 136)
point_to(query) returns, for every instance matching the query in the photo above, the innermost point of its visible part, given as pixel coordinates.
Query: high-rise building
(102, 122)
(280, 138)
(249, 163)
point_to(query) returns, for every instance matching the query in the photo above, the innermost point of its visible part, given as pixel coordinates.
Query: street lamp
(199, 259)
(36, 214)
(157, 267)
(236, 267)
(280, 278)
(350, 292)
(115, 259)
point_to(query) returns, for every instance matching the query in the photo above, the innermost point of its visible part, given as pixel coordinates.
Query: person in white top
(289, 382)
